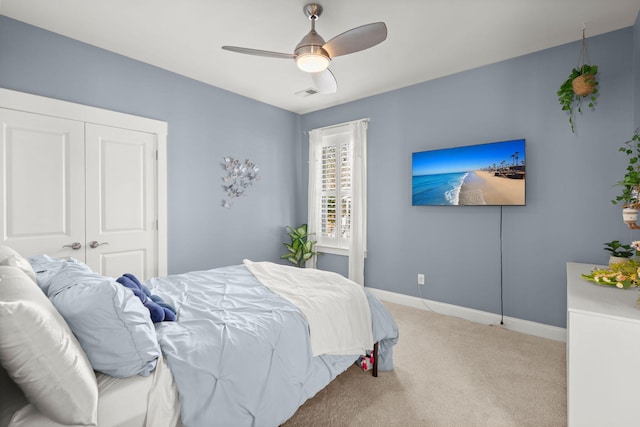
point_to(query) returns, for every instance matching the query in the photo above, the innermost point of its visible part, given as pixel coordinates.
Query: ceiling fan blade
(356, 39)
(257, 52)
(325, 82)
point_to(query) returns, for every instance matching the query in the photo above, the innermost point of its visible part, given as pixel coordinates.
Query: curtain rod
(368, 120)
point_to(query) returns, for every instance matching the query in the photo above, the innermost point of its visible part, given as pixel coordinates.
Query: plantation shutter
(335, 194)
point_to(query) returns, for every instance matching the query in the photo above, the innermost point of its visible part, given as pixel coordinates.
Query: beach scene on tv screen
(483, 174)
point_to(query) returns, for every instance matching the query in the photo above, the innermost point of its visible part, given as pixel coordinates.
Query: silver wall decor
(239, 177)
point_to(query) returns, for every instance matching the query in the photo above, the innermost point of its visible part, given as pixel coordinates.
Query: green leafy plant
(301, 247)
(631, 182)
(617, 249)
(569, 99)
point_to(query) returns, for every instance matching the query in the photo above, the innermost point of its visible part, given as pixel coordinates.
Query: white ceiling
(427, 38)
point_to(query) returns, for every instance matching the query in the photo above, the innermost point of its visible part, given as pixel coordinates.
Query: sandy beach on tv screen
(493, 190)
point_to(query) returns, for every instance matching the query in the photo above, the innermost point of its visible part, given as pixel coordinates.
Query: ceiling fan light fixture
(312, 62)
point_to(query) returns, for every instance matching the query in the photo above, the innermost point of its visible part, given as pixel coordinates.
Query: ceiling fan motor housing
(309, 54)
(311, 44)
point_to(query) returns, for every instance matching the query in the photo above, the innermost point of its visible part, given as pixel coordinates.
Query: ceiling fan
(313, 55)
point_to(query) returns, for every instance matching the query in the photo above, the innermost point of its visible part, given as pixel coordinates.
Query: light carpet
(449, 372)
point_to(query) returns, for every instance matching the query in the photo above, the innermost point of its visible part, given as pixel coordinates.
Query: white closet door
(42, 184)
(121, 201)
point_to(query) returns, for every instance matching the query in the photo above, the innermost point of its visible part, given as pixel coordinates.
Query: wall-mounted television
(491, 174)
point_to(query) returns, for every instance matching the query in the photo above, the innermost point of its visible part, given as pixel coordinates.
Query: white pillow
(10, 257)
(40, 353)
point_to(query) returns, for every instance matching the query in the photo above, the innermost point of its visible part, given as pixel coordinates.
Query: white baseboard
(532, 328)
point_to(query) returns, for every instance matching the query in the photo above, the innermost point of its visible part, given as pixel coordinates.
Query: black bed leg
(375, 360)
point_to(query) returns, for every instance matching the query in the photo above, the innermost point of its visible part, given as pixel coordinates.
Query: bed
(250, 343)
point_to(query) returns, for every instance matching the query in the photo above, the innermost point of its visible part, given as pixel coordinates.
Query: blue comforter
(240, 354)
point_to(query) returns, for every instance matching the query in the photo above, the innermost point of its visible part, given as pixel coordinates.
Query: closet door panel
(120, 262)
(42, 184)
(121, 201)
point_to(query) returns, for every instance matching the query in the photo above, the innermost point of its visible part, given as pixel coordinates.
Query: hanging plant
(629, 195)
(580, 84)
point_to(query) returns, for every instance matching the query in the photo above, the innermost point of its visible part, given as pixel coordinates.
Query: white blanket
(335, 307)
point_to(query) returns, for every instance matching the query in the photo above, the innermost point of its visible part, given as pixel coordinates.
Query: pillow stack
(110, 322)
(39, 351)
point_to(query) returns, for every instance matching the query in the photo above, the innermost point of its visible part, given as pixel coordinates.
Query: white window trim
(355, 245)
(333, 250)
(324, 249)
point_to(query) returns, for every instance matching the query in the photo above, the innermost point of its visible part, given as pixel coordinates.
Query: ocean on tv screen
(476, 175)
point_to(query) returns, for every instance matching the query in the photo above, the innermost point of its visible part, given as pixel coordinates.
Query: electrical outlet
(420, 279)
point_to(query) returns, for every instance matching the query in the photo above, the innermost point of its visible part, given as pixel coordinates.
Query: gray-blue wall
(205, 124)
(569, 182)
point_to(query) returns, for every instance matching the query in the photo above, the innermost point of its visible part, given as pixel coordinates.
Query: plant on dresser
(618, 250)
(623, 275)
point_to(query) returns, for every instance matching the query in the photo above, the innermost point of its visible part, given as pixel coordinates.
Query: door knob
(94, 244)
(75, 246)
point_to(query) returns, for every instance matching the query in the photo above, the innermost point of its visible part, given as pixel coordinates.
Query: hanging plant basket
(581, 83)
(584, 84)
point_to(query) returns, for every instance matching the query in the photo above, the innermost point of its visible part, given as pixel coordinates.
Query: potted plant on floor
(629, 197)
(301, 247)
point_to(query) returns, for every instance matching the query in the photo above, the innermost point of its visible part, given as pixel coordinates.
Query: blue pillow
(47, 267)
(110, 322)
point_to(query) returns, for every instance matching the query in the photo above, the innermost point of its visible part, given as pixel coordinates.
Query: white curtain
(358, 202)
(314, 187)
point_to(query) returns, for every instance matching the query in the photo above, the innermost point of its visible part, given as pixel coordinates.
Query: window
(334, 229)
(337, 187)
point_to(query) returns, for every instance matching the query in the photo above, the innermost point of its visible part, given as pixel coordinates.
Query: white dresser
(603, 353)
